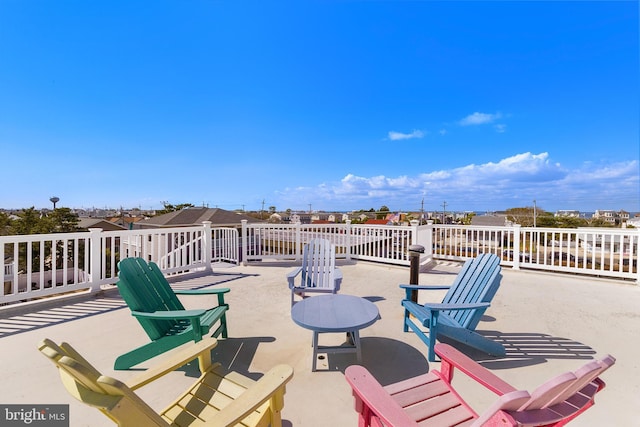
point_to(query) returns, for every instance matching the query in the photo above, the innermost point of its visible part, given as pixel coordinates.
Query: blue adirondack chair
(461, 309)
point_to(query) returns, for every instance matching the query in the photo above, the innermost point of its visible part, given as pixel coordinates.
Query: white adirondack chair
(318, 272)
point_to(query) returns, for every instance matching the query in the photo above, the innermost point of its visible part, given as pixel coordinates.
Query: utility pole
(262, 210)
(534, 212)
(444, 210)
(422, 212)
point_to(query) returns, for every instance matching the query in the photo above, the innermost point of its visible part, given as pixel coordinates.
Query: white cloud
(509, 182)
(479, 119)
(395, 136)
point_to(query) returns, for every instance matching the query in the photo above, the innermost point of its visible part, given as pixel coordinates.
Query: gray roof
(195, 216)
(493, 220)
(99, 223)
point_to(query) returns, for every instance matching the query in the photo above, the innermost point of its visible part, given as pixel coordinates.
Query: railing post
(347, 239)
(414, 233)
(635, 250)
(244, 253)
(298, 240)
(414, 270)
(207, 245)
(424, 238)
(95, 259)
(516, 246)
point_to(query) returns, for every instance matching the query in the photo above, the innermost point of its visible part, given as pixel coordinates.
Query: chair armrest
(468, 306)
(214, 291)
(211, 291)
(425, 287)
(171, 314)
(452, 358)
(175, 359)
(270, 386)
(291, 276)
(337, 278)
(409, 290)
(369, 392)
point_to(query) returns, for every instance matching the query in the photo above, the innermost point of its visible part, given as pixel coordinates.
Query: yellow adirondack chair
(215, 399)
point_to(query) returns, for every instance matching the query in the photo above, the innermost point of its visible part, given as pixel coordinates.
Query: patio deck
(549, 323)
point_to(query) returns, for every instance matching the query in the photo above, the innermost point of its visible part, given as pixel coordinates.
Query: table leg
(314, 359)
(356, 342)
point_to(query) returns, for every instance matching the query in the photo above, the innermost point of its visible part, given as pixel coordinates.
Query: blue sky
(322, 105)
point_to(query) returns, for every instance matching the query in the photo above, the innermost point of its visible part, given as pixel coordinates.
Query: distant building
(105, 225)
(567, 213)
(612, 217)
(196, 216)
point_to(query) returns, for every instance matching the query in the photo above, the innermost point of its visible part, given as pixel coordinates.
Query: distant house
(567, 213)
(611, 216)
(302, 218)
(87, 223)
(372, 221)
(195, 217)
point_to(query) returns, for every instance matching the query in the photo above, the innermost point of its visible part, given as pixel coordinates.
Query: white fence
(371, 243)
(604, 252)
(43, 265)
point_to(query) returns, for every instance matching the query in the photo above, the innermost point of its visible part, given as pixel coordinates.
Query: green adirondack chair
(461, 309)
(155, 305)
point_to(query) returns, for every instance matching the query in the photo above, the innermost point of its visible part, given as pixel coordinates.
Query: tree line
(32, 221)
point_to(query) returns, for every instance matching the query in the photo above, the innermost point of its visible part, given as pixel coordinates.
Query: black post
(414, 257)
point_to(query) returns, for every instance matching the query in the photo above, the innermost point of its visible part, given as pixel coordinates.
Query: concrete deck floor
(548, 323)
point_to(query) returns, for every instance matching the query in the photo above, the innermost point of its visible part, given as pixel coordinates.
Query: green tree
(383, 212)
(524, 216)
(62, 220)
(30, 221)
(168, 207)
(468, 217)
(5, 224)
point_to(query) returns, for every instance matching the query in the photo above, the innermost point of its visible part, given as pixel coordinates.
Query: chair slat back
(478, 281)
(142, 293)
(318, 264)
(586, 374)
(546, 393)
(84, 382)
(162, 286)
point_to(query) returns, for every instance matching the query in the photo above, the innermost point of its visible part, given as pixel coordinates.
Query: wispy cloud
(479, 119)
(395, 136)
(509, 182)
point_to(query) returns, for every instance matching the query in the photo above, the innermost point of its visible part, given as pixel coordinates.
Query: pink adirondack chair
(431, 400)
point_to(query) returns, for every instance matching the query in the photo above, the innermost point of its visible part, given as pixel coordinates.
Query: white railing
(285, 241)
(51, 264)
(605, 252)
(42, 265)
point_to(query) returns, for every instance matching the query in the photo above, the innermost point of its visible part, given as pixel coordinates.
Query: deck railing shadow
(80, 306)
(527, 349)
(203, 279)
(87, 307)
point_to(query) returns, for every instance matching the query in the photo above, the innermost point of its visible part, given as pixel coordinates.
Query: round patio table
(335, 313)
